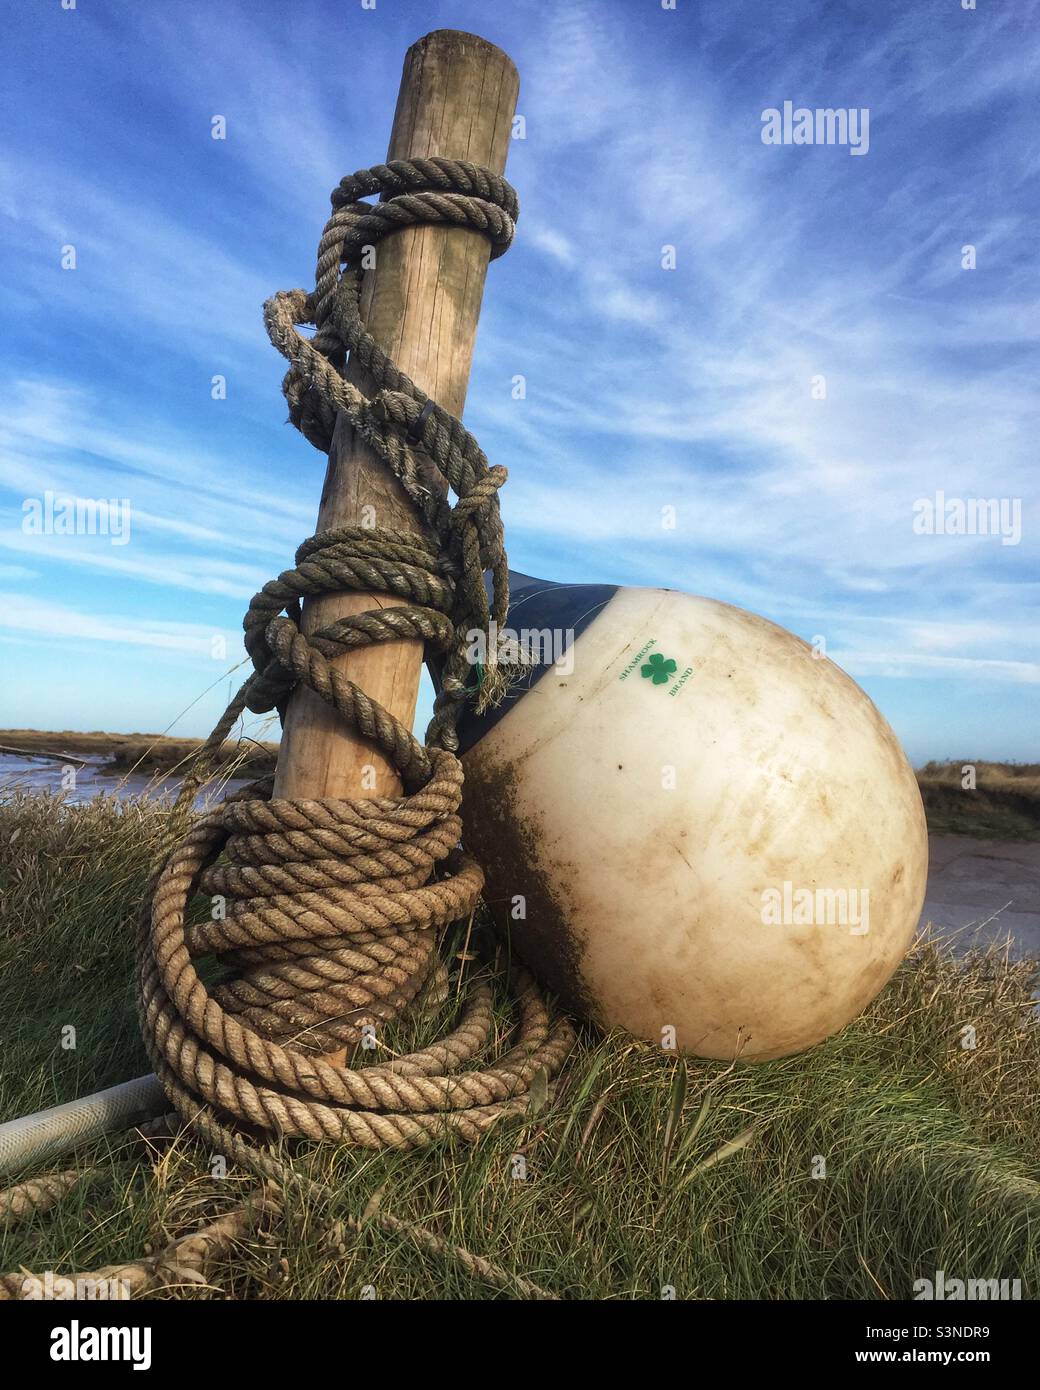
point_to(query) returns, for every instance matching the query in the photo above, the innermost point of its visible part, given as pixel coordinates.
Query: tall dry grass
(881, 1156)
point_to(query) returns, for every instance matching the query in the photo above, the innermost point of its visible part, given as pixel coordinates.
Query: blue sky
(646, 387)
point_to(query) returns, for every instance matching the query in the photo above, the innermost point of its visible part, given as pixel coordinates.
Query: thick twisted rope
(427, 448)
(329, 910)
(332, 906)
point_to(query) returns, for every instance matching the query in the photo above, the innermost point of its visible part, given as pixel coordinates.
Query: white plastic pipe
(50, 1133)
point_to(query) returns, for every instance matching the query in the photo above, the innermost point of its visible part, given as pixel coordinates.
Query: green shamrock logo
(658, 668)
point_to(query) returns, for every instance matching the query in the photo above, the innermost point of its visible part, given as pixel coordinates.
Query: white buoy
(694, 827)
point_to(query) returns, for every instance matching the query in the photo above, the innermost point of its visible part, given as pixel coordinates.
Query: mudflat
(145, 753)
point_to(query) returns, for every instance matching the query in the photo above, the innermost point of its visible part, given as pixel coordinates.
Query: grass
(642, 1171)
(1004, 803)
(147, 753)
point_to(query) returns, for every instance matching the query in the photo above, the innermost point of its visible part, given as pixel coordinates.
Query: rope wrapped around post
(333, 906)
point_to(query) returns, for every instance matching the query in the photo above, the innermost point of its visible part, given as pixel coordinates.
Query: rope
(36, 1196)
(332, 907)
(181, 1263)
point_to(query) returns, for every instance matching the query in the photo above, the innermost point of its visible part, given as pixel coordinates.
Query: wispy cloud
(49, 622)
(694, 388)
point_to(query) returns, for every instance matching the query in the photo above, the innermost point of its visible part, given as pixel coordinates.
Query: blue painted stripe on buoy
(537, 605)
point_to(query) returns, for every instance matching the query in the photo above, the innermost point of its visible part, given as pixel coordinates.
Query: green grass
(642, 1171)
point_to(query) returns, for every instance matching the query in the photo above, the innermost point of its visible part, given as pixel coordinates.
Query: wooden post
(421, 303)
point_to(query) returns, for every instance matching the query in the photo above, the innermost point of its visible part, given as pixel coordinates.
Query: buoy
(694, 826)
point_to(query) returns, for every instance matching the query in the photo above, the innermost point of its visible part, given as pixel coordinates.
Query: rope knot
(325, 913)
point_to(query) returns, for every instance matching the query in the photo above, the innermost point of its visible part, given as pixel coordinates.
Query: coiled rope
(332, 906)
